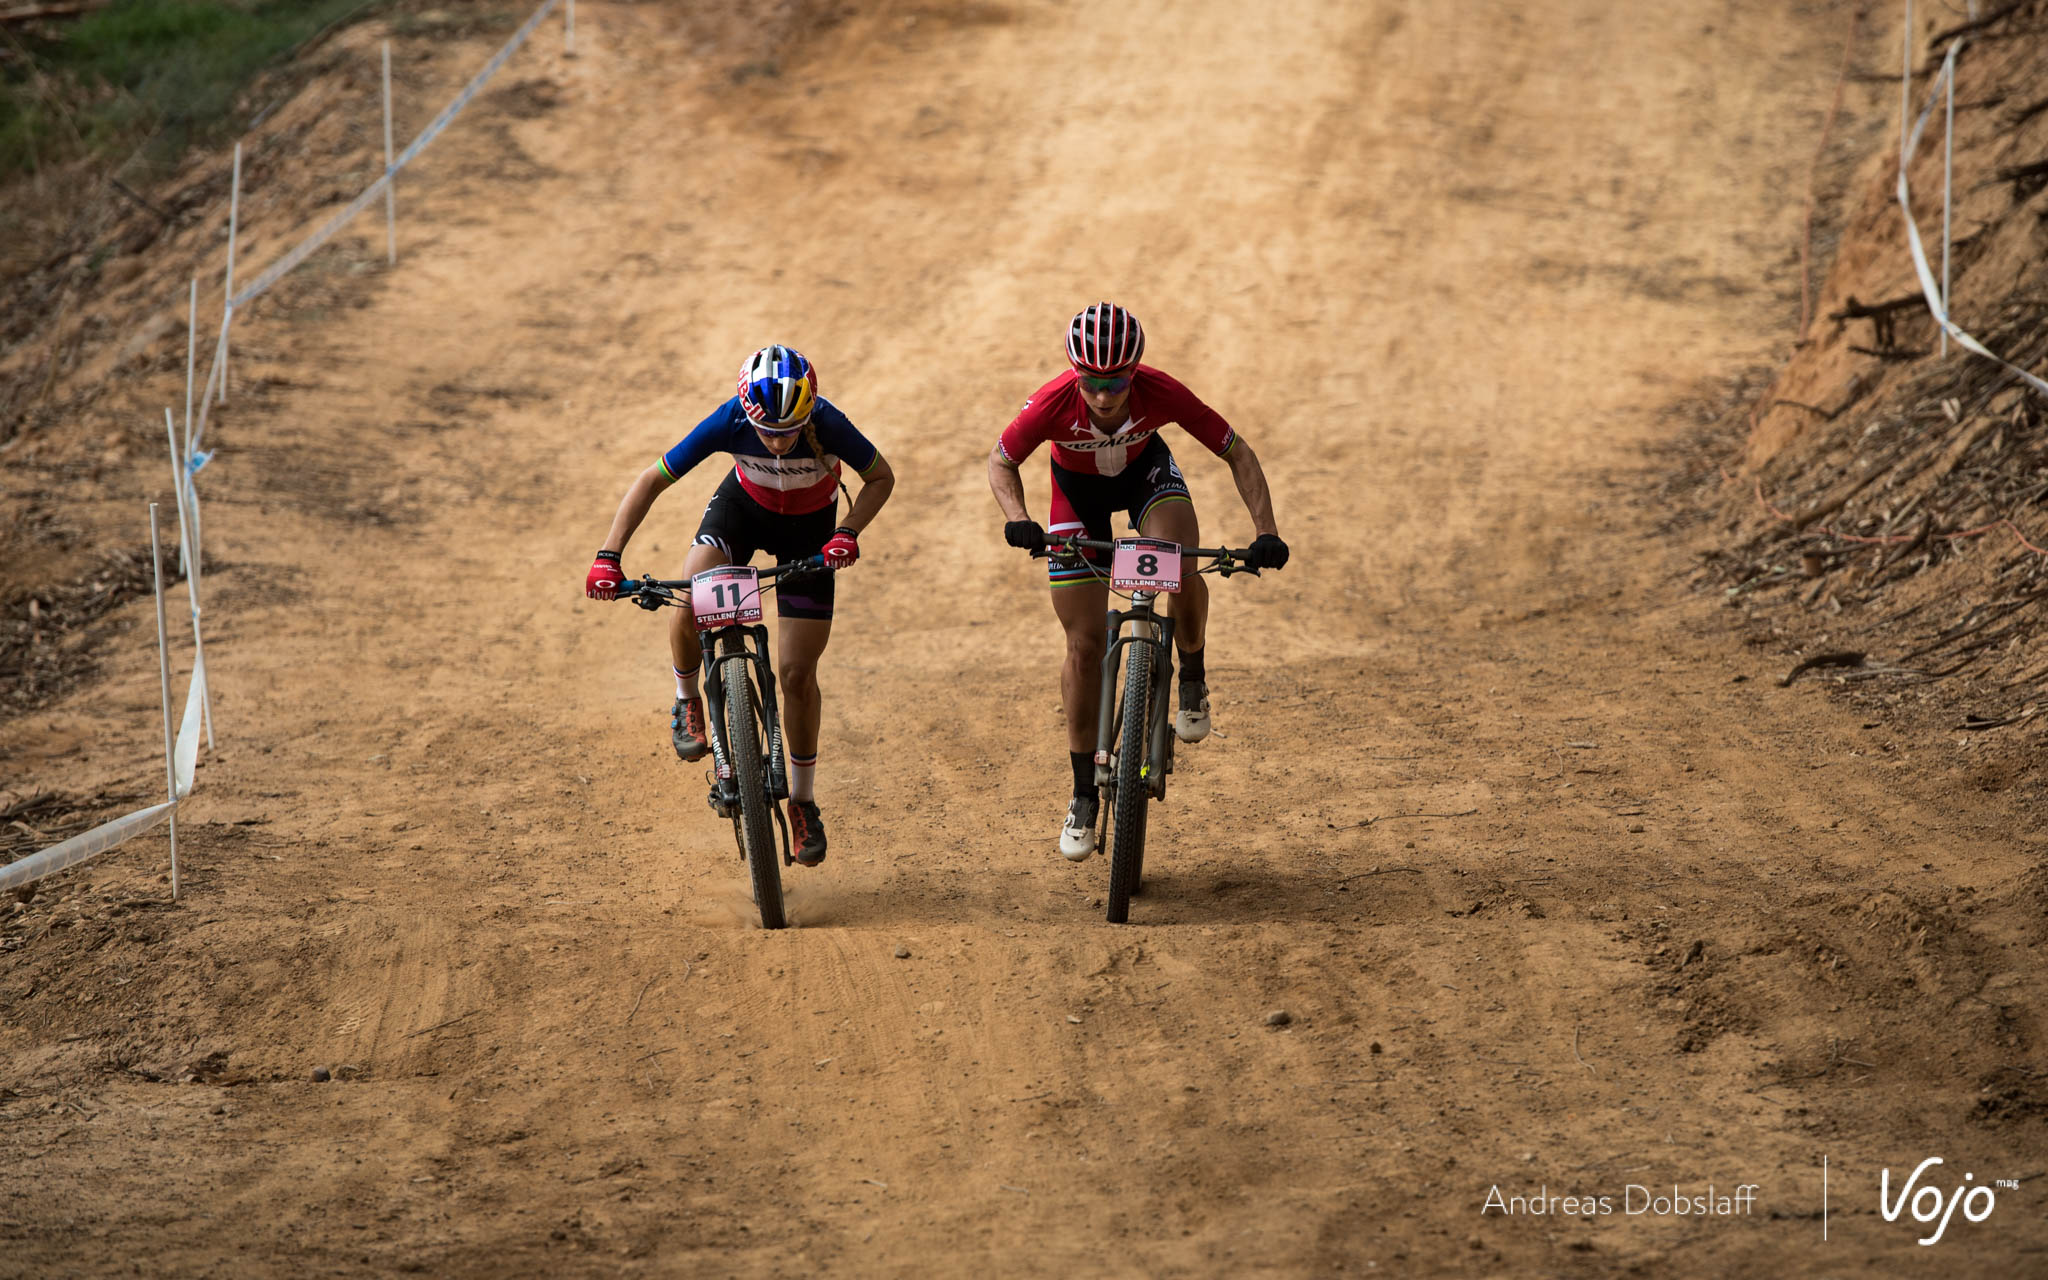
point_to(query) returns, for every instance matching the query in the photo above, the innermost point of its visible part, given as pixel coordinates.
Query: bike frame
(744, 643)
(1149, 628)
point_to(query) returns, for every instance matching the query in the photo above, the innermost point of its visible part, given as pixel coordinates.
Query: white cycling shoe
(1077, 836)
(1191, 723)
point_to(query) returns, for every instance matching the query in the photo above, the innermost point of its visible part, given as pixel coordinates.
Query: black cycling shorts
(1082, 503)
(739, 526)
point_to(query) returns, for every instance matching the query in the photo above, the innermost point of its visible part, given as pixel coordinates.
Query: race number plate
(1145, 564)
(729, 595)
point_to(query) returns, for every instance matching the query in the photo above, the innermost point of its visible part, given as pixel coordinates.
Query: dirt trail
(1447, 267)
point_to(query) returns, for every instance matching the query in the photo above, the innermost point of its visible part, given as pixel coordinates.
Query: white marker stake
(390, 179)
(234, 218)
(569, 42)
(163, 670)
(178, 485)
(1948, 174)
(191, 354)
(1906, 87)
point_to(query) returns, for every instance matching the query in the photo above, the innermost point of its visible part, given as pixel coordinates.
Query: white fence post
(390, 178)
(228, 291)
(1906, 86)
(163, 669)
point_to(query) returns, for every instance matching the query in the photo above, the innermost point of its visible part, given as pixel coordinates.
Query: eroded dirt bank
(1560, 891)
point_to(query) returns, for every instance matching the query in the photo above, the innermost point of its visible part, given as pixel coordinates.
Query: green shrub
(166, 70)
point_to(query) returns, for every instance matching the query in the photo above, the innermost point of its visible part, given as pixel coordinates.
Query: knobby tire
(750, 772)
(1127, 838)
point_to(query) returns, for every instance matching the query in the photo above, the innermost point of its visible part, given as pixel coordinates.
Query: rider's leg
(682, 624)
(687, 734)
(1080, 607)
(1173, 518)
(799, 643)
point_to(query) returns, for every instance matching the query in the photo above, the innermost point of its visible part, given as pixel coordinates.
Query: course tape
(185, 761)
(276, 270)
(80, 847)
(186, 757)
(1936, 304)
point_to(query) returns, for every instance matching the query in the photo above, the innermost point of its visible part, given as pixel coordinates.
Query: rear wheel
(750, 773)
(1127, 839)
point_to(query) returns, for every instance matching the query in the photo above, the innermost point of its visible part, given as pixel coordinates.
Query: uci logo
(1928, 1204)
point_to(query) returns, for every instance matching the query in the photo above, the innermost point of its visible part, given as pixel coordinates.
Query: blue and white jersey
(796, 483)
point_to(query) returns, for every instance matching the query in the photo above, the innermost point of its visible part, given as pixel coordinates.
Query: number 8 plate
(729, 595)
(1145, 564)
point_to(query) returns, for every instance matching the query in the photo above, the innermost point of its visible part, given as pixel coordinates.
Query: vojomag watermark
(1927, 1203)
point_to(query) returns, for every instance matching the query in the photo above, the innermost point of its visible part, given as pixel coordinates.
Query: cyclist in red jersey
(1103, 418)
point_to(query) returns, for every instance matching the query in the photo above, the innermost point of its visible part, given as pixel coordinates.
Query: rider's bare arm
(633, 507)
(875, 489)
(1251, 486)
(1008, 485)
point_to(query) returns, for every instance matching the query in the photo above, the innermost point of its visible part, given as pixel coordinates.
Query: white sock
(801, 773)
(686, 683)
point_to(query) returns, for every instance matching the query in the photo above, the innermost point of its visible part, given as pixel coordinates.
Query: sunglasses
(779, 431)
(1116, 382)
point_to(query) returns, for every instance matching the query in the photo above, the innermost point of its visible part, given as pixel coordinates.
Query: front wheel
(1127, 841)
(757, 835)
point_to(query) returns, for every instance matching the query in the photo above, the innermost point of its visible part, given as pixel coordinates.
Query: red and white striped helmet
(1105, 338)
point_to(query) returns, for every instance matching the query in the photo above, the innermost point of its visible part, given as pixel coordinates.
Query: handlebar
(650, 592)
(1228, 560)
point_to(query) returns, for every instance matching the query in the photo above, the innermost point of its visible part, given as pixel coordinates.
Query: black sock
(1191, 667)
(1084, 772)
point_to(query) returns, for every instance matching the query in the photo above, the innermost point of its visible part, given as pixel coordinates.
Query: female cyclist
(1103, 419)
(787, 443)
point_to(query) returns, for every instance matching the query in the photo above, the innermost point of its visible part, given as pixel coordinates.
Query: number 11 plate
(729, 595)
(1145, 564)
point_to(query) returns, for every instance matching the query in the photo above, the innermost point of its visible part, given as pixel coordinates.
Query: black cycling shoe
(807, 832)
(686, 729)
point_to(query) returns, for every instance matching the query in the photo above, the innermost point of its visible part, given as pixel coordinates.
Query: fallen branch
(60, 9)
(1376, 871)
(437, 1026)
(1845, 659)
(1999, 14)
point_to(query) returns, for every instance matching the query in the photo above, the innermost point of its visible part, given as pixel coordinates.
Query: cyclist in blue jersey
(787, 444)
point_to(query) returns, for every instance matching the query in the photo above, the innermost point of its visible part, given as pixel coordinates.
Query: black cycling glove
(1266, 552)
(1027, 534)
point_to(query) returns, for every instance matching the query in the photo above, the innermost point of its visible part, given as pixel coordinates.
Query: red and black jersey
(1057, 415)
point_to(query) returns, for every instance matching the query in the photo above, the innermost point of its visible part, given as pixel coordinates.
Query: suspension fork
(1141, 613)
(764, 679)
(729, 644)
(714, 707)
(1159, 762)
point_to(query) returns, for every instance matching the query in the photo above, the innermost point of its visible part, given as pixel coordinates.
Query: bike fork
(714, 716)
(1160, 737)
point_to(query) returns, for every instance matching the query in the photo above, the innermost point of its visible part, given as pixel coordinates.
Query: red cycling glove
(605, 577)
(841, 549)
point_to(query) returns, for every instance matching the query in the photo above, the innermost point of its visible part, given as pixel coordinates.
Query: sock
(686, 682)
(1191, 667)
(802, 769)
(1084, 772)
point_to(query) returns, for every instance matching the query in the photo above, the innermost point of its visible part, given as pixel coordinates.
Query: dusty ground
(1449, 268)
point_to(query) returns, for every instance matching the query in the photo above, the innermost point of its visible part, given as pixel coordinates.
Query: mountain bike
(750, 775)
(1134, 737)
